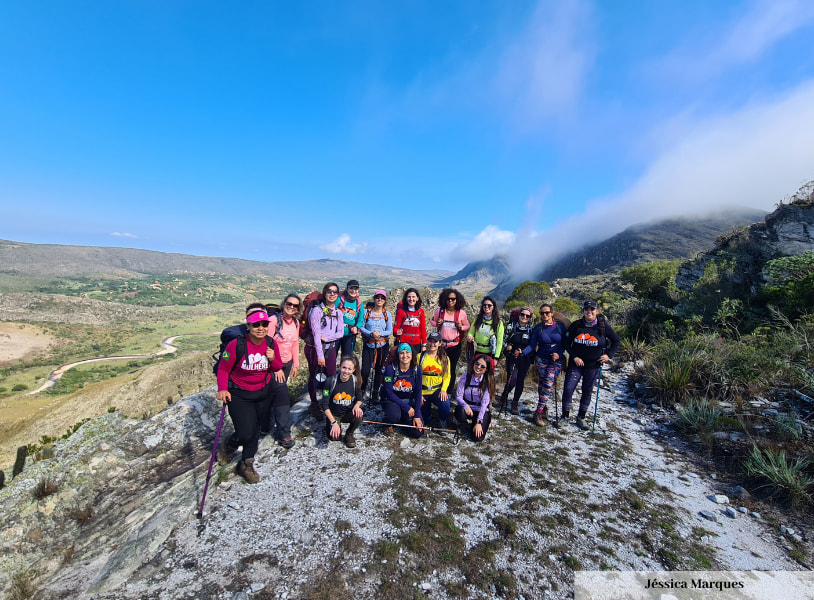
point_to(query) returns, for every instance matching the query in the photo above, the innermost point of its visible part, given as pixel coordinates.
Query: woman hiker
(350, 305)
(435, 375)
(518, 336)
(487, 332)
(342, 401)
(376, 331)
(411, 328)
(590, 342)
(245, 373)
(402, 392)
(326, 328)
(451, 322)
(475, 391)
(546, 349)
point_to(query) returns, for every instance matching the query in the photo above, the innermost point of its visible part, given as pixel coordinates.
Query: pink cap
(260, 315)
(380, 293)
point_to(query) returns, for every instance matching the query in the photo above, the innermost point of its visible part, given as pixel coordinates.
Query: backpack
(330, 384)
(311, 301)
(369, 309)
(226, 336)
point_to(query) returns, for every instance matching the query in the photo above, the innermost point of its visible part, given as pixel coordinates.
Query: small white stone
(756, 515)
(692, 475)
(426, 586)
(720, 499)
(743, 510)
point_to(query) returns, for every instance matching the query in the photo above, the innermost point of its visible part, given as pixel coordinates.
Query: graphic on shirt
(342, 399)
(432, 370)
(388, 379)
(351, 312)
(255, 362)
(411, 322)
(403, 385)
(586, 339)
(226, 356)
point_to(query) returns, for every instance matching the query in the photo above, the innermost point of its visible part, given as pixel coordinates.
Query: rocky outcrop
(118, 487)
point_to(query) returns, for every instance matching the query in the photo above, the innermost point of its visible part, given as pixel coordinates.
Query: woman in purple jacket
(546, 342)
(326, 328)
(475, 391)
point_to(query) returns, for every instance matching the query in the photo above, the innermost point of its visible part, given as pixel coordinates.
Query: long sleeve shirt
(353, 314)
(332, 330)
(381, 322)
(587, 342)
(487, 341)
(546, 340)
(254, 370)
(470, 395)
(403, 388)
(413, 326)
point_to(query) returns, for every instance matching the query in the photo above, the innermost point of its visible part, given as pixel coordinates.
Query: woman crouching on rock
(475, 391)
(342, 401)
(245, 375)
(435, 375)
(402, 392)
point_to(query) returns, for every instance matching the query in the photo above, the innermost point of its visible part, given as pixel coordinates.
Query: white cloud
(492, 240)
(124, 235)
(750, 158)
(542, 71)
(741, 41)
(342, 245)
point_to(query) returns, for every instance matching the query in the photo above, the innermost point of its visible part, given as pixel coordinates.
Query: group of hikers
(408, 378)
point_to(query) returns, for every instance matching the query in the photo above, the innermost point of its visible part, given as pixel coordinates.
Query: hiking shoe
(287, 442)
(316, 411)
(245, 468)
(225, 452)
(538, 419)
(515, 409)
(350, 441)
(545, 412)
(581, 424)
(388, 430)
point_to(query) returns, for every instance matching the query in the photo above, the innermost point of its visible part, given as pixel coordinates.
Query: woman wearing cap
(546, 347)
(451, 322)
(411, 328)
(518, 336)
(326, 329)
(376, 329)
(475, 391)
(342, 401)
(245, 372)
(487, 332)
(284, 327)
(402, 392)
(435, 375)
(590, 342)
(351, 306)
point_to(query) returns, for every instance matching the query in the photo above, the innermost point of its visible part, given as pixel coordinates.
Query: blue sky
(417, 134)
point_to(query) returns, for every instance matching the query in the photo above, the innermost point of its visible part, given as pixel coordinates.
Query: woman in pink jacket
(451, 322)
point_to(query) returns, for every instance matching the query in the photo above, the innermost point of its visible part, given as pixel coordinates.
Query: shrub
(654, 280)
(19, 387)
(632, 349)
(566, 306)
(787, 427)
(780, 476)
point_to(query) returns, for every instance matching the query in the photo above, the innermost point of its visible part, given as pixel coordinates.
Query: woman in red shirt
(411, 326)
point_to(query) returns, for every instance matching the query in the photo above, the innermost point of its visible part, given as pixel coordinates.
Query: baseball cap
(352, 283)
(589, 304)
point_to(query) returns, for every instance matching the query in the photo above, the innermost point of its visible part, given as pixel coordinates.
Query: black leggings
(246, 409)
(374, 358)
(279, 407)
(454, 353)
(523, 363)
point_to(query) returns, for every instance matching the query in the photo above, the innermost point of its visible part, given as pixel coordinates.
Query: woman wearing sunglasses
(376, 331)
(451, 322)
(411, 327)
(546, 344)
(326, 328)
(285, 329)
(475, 391)
(518, 336)
(245, 372)
(488, 329)
(402, 392)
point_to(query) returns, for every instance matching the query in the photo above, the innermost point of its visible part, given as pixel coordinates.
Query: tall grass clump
(696, 416)
(787, 426)
(670, 373)
(779, 476)
(633, 349)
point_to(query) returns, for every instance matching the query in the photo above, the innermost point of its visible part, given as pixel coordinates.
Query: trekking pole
(596, 406)
(455, 439)
(212, 460)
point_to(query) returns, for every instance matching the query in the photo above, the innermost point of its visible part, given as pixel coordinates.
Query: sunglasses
(292, 305)
(479, 365)
(545, 312)
(379, 297)
(451, 299)
(588, 309)
(487, 305)
(332, 292)
(259, 324)
(526, 315)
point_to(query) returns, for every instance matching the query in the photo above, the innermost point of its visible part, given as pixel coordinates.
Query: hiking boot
(581, 423)
(350, 441)
(538, 419)
(388, 430)
(316, 411)
(515, 409)
(225, 452)
(287, 442)
(245, 468)
(545, 412)
(442, 426)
